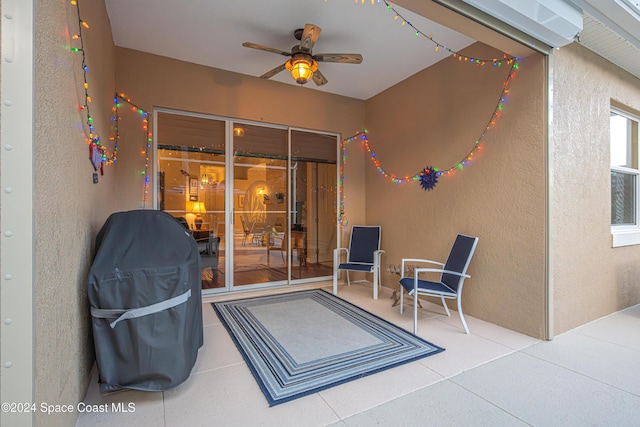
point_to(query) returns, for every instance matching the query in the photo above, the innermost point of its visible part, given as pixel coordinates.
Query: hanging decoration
(342, 216)
(428, 178)
(147, 140)
(496, 62)
(417, 33)
(99, 155)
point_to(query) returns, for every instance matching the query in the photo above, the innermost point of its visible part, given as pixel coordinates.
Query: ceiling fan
(303, 64)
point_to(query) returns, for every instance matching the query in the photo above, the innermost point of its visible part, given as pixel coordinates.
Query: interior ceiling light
(301, 67)
(238, 131)
(303, 64)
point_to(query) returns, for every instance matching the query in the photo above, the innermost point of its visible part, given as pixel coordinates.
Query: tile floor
(493, 377)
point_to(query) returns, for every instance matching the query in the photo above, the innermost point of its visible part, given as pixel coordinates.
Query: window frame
(627, 234)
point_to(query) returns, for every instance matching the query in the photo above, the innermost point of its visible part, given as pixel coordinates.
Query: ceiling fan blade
(345, 58)
(319, 79)
(309, 37)
(266, 48)
(273, 72)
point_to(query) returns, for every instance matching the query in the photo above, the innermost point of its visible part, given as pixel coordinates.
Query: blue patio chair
(363, 255)
(452, 275)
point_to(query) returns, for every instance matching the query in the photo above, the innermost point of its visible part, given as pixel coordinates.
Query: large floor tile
(356, 292)
(368, 392)
(500, 335)
(544, 394)
(610, 363)
(231, 397)
(442, 404)
(462, 351)
(218, 350)
(619, 328)
(124, 408)
(209, 316)
(383, 307)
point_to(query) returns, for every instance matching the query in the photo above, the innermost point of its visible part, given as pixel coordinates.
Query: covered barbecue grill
(146, 306)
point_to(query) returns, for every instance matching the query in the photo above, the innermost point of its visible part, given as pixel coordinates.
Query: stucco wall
(69, 208)
(433, 119)
(155, 81)
(591, 279)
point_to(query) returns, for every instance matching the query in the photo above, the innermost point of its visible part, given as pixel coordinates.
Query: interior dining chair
(246, 229)
(452, 276)
(277, 242)
(363, 255)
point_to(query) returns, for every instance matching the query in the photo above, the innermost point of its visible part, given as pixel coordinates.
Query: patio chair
(363, 255)
(452, 275)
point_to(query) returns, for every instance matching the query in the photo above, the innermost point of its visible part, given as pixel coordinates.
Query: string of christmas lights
(497, 62)
(148, 138)
(428, 177)
(99, 155)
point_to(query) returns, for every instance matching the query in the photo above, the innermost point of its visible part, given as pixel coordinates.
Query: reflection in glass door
(260, 200)
(191, 184)
(260, 209)
(314, 200)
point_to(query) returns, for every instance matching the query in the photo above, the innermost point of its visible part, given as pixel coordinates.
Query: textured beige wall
(68, 207)
(156, 81)
(591, 279)
(433, 119)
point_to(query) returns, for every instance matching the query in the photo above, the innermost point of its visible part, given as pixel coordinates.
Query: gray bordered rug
(303, 342)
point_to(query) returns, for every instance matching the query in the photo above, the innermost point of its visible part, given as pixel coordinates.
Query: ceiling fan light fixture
(302, 68)
(238, 131)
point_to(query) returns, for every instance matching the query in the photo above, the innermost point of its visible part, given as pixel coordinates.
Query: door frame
(229, 214)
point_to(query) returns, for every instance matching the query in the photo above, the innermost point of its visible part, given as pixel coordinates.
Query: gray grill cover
(146, 304)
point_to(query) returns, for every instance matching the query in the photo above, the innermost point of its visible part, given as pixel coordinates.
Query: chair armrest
(377, 255)
(439, 270)
(422, 260)
(426, 261)
(336, 254)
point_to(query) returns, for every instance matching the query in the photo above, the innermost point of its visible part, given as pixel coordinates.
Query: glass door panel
(314, 193)
(264, 212)
(191, 173)
(260, 243)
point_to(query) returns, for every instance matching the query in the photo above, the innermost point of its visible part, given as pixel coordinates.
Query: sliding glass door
(313, 205)
(260, 200)
(260, 210)
(191, 184)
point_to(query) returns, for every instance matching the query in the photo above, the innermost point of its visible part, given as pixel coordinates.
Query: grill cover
(144, 287)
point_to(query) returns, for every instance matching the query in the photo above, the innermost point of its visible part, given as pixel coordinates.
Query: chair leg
(348, 280)
(335, 272)
(376, 279)
(401, 299)
(444, 304)
(464, 323)
(415, 313)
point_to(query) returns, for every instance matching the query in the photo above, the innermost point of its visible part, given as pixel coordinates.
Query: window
(625, 172)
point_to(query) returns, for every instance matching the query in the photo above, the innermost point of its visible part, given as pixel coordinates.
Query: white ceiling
(212, 32)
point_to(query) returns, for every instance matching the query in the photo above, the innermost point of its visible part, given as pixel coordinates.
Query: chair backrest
(279, 243)
(246, 229)
(365, 240)
(459, 259)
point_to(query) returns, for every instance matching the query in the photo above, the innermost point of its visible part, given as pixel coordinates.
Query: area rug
(303, 342)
